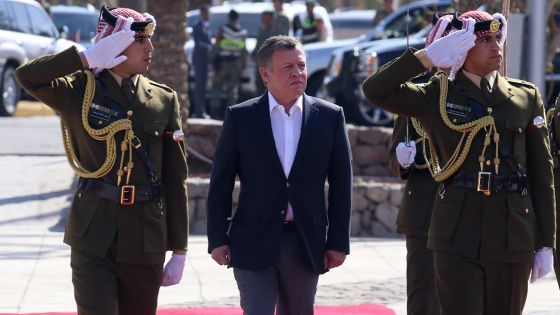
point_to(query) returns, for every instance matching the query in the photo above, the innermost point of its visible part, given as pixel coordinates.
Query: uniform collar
(119, 79)
(491, 77)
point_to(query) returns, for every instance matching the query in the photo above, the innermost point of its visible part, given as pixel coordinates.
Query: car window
(22, 23)
(42, 24)
(416, 21)
(81, 27)
(351, 23)
(4, 18)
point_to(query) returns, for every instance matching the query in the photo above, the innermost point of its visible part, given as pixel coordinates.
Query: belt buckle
(484, 184)
(127, 195)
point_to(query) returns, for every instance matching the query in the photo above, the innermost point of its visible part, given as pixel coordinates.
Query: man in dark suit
(130, 206)
(202, 47)
(282, 146)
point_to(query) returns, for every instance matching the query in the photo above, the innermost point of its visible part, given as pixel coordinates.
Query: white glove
(542, 264)
(406, 151)
(173, 271)
(105, 53)
(447, 51)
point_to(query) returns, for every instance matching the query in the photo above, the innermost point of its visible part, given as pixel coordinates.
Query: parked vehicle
(79, 23)
(250, 19)
(26, 32)
(351, 23)
(392, 26)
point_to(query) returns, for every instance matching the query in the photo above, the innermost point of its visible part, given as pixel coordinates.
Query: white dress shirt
(286, 129)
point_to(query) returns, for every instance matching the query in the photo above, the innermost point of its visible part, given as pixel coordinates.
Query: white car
(26, 32)
(250, 19)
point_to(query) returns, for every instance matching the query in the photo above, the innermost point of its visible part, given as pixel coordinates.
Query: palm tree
(169, 65)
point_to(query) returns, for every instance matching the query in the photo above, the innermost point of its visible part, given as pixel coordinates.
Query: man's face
(486, 55)
(266, 20)
(277, 5)
(286, 76)
(139, 55)
(204, 15)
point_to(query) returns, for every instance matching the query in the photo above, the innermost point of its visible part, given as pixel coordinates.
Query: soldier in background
(553, 118)
(308, 28)
(493, 223)
(202, 47)
(266, 30)
(281, 22)
(229, 61)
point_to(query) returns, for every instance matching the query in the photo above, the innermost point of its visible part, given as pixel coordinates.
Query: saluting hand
(221, 255)
(333, 259)
(173, 271)
(447, 51)
(105, 53)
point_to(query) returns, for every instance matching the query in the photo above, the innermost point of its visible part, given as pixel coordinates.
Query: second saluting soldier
(493, 219)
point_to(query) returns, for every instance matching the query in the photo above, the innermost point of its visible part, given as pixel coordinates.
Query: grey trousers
(290, 284)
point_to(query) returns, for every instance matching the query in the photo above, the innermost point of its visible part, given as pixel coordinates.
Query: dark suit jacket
(504, 227)
(246, 149)
(145, 230)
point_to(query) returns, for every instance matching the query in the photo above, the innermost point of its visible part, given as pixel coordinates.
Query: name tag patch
(458, 110)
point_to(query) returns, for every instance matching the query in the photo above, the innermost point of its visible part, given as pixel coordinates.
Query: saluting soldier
(491, 155)
(118, 127)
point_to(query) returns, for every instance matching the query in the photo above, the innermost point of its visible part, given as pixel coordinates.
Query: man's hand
(105, 53)
(542, 264)
(406, 151)
(221, 255)
(447, 51)
(173, 271)
(333, 259)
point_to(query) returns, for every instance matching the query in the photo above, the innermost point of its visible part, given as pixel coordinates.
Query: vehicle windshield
(81, 27)
(248, 21)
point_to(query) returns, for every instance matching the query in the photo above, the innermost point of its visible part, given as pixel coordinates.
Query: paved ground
(35, 192)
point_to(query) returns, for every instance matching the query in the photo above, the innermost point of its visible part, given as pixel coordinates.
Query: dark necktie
(486, 90)
(128, 90)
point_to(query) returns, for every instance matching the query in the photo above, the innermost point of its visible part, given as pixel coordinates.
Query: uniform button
(283, 212)
(410, 192)
(526, 210)
(129, 113)
(454, 120)
(100, 122)
(156, 133)
(80, 195)
(288, 184)
(488, 162)
(161, 213)
(520, 130)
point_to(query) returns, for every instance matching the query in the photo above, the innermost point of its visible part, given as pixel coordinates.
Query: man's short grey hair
(274, 43)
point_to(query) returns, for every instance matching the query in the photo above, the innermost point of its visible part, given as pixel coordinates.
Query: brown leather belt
(124, 195)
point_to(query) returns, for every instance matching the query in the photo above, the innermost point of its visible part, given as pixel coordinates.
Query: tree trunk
(169, 63)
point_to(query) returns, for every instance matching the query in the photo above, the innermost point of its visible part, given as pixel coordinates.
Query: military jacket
(145, 230)
(415, 210)
(555, 151)
(504, 226)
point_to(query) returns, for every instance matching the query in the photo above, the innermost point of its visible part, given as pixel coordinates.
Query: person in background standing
(202, 47)
(265, 31)
(281, 22)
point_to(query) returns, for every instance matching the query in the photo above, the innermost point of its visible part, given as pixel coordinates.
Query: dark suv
(26, 32)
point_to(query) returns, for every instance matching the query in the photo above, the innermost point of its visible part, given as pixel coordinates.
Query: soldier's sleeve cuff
(426, 62)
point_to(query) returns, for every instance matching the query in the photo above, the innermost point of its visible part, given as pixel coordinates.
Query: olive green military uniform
(413, 220)
(553, 116)
(483, 244)
(108, 238)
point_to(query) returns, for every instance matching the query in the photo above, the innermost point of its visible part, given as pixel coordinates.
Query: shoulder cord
(106, 134)
(469, 131)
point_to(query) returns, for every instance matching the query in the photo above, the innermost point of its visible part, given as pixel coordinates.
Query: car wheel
(10, 92)
(367, 114)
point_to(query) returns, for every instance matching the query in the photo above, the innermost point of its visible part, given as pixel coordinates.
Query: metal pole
(536, 10)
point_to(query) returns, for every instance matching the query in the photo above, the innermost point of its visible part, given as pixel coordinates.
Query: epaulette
(520, 82)
(161, 85)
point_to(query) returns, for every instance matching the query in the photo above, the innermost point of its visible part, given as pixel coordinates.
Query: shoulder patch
(520, 82)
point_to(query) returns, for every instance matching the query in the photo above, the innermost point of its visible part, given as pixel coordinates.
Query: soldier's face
(286, 76)
(486, 55)
(139, 55)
